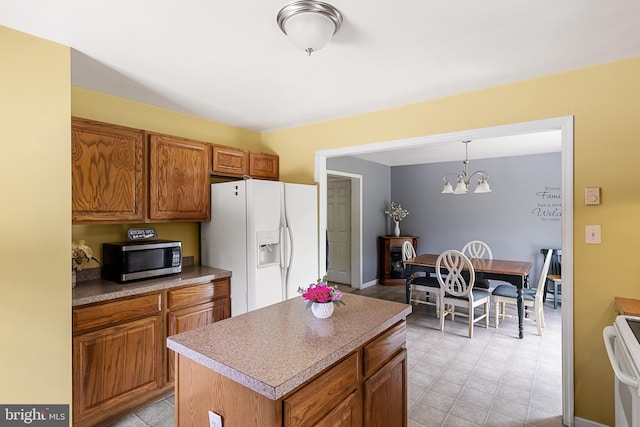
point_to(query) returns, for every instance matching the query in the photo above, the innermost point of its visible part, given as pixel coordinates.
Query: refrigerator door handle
(288, 247)
(283, 250)
(285, 258)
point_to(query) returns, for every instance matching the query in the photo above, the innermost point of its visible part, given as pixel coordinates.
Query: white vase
(322, 310)
(397, 230)
(73, 278)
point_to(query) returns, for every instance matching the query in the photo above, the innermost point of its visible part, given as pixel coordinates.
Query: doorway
(565, 125)
(339, 230)
(343, 228)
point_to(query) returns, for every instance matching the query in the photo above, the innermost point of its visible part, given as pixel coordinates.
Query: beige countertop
(275, 349)
(91, 291)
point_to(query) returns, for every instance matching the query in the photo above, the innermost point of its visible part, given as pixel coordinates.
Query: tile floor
(493, 379)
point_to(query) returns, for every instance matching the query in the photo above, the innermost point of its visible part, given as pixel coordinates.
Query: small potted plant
(321, 297)
(81, 255)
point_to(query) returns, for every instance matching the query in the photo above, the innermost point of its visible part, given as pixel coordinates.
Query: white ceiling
(228, 61)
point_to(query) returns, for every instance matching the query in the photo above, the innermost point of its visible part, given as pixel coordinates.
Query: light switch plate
(215, 420)
(592, 196)
(593, 234)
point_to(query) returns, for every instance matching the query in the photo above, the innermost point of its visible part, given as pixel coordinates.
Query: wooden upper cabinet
(179, 185)
(229, 161)
(107, 172)
(264, 166)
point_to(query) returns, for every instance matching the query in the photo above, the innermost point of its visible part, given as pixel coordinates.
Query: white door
(339, 230)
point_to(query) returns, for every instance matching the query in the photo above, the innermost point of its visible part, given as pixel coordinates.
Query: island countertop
(277, 348)
(91, 291)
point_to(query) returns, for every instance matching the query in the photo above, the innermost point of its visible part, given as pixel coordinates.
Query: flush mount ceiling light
(309, 24)
(463, 178)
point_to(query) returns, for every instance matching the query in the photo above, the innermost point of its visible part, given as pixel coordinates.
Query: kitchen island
(279, 366)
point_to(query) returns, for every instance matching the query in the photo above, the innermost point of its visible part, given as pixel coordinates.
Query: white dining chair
(506, 296)
(458, 290)
(424, 289)
(478, 249)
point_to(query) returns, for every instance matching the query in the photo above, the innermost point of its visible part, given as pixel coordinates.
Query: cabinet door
(185, 320)
(229, 161)
(264, 166)
(114, 366)
(317, 399)
(107, 172)
(221, 309)
(346, 414)
(179, 186)
(385, 394)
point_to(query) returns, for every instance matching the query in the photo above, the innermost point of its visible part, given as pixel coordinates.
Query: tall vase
(322, 310)
(73, 277)
(397, 230)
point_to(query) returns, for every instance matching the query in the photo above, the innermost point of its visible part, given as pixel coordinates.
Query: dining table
(514, 272)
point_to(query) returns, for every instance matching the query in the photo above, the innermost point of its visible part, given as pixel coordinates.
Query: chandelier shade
(309, 24)
(463, 178)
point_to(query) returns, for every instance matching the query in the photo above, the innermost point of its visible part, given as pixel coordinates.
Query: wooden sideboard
(390, 268)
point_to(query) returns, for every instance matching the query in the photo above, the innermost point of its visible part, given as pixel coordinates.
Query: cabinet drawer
(308, 405)
(197, 294)
(189, 295)
(115, 312)
(378, 351)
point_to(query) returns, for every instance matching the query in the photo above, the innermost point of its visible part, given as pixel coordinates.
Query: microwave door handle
(609, 335)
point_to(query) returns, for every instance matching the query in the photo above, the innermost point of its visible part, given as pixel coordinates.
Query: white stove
(622, 341)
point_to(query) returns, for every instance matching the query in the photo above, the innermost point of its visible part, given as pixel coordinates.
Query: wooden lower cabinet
(366, 388)
(385, 394)
(346, 414)
(306, 407)
(120, 359)
(116, 367)
(191, 307)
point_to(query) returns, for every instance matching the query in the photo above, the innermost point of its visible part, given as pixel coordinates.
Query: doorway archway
(565, 125)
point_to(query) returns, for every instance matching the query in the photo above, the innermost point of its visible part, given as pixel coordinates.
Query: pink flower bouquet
(321, 292)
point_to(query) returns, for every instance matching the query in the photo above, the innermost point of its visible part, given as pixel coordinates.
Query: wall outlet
(215, 420)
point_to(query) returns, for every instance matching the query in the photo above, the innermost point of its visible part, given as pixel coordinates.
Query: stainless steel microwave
(134, 260)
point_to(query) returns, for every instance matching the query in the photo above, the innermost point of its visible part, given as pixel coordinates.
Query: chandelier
(309, 24)
(463, 178)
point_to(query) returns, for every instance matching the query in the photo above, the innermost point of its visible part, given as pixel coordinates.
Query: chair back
(543, 277)
(555, 267)
(408, 251)
(477, 249)
(455, 283)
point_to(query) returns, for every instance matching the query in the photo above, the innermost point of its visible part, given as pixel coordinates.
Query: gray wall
(519, 217)
(376, 189)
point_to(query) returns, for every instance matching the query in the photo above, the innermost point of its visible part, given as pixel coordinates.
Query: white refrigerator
(266, 234)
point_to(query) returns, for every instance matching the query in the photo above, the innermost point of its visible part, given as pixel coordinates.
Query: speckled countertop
(275, 349)
(90, 291)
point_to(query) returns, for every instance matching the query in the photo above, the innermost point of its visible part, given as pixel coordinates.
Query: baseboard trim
(371, 283)
(581, 422)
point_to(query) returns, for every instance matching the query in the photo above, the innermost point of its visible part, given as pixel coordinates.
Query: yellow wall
(110, 109)
(605, 101)
(35, 222)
